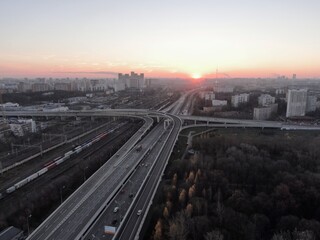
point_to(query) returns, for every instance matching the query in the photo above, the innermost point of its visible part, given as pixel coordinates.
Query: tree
(214, 235)
(178, 228)
(183, 197)
(165, 212)
(158, 230)
(189, 210)
(175, 179)
(192, 191)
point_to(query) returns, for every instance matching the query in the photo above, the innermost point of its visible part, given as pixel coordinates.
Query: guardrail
(124, 148)
(130, 209)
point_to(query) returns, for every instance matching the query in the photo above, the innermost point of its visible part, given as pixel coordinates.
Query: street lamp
(84, 174)
(29, 216)
(63, 187)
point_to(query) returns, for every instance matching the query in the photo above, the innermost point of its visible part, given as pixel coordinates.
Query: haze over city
(159, 120)
(184, 39)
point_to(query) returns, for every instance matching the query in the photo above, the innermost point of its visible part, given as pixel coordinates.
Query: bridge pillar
(158, 119)
(63, 118)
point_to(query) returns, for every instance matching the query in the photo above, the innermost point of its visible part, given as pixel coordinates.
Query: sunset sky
(167, 38)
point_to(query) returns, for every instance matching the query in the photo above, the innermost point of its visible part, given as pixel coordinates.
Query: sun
(196, 76)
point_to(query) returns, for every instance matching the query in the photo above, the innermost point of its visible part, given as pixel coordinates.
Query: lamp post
(28, 227)
(61, 199)
(84, 174)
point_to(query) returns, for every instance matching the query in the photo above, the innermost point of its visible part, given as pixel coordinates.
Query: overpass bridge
(73, 216)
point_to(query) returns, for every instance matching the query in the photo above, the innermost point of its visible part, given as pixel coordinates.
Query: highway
(132, 223)
(71, 217)
(177, 107)
(140, 113)
(125, 198)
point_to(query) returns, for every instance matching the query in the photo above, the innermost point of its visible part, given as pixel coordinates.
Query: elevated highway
(131, 226)
(71, 219)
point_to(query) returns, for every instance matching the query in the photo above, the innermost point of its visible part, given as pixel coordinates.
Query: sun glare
(196, 75)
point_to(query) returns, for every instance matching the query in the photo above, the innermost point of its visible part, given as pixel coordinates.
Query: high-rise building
(238, 99)
(296, 102)
(62, 86)
(133, 80)
(311, 104)
(266, 99)
(40, 87)
(294, 76)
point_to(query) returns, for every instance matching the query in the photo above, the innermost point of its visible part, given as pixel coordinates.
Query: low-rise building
(40, 87)
(264, 113)
(62, 86)
(23, 126)
(9, 106)
(219, 103)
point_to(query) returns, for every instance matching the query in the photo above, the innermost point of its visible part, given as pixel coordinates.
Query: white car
(139, 212)
(116, 209)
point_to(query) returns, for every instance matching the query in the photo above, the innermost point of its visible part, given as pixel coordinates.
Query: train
(52, 164)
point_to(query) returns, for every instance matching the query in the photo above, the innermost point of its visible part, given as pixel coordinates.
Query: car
(116, 209)
(114, 221)
(139, 212)
(131, 195)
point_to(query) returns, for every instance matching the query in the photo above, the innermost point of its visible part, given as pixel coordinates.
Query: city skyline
(170, 39)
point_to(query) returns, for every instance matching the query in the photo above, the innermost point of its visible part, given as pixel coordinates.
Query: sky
(167, 38)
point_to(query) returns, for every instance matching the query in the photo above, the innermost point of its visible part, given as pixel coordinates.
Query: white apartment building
(264, 113)
(207, 95)
(297, 102)
(266, 99)
(219, 103)
(311, 103)
(133, 80)
(240, 98)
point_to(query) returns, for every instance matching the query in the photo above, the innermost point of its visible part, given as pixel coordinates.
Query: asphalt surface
(132, 224)
(72, 216)
(125, 197)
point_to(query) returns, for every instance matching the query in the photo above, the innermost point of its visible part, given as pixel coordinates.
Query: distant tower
(217, 73)
(294, 76)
